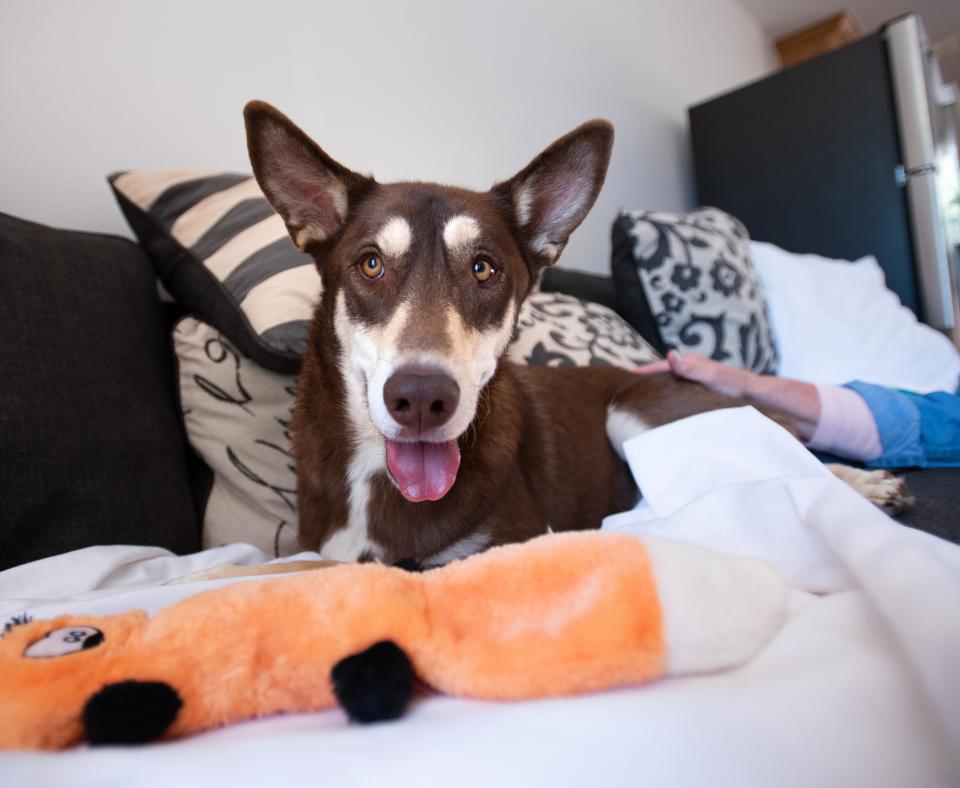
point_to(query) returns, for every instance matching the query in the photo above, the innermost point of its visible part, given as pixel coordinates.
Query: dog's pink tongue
(423, 471)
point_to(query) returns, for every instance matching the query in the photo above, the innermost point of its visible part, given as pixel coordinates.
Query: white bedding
(860, 688)
(816, 303)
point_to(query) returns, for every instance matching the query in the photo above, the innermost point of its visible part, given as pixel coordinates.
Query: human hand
(693, 366)
(654, 367)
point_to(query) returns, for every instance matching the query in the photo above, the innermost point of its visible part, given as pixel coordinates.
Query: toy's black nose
(421, 398)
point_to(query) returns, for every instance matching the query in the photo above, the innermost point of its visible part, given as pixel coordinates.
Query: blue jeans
(916, 430)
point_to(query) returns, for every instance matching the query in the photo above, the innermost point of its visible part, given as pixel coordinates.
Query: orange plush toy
(561, 614)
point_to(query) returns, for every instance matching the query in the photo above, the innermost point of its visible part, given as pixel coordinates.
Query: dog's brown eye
(482, 270)
(372, 267)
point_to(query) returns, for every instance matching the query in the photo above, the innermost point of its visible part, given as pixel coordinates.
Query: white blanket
(860, 688)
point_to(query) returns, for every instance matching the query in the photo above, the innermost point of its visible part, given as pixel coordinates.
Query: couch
(103, 502)
(94, 449)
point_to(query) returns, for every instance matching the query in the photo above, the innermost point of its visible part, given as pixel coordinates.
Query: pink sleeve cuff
(846, 426)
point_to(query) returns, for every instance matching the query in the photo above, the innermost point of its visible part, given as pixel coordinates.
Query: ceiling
(940, 17)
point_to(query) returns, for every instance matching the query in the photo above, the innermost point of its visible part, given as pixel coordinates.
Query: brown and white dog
(413, 438)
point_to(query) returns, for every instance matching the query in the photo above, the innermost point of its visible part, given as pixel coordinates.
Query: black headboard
(806, 159)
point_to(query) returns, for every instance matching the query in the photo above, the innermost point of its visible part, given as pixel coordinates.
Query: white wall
(459, 92)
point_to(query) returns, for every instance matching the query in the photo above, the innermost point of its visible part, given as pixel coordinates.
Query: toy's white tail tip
(718, 610)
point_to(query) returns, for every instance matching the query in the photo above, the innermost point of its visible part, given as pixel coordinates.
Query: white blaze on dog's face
(423, 281)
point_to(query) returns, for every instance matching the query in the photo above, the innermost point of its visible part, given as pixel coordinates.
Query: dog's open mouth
(423, 471)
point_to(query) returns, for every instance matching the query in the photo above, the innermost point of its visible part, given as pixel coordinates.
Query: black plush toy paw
(130, 712)
(376, 684)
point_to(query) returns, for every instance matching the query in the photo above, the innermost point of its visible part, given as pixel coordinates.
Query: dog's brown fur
(535, 455)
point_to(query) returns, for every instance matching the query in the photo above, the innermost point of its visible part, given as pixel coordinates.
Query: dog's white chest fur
(367, 459)
(348, 544)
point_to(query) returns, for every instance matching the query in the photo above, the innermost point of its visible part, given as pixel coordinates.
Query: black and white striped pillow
(224, 254)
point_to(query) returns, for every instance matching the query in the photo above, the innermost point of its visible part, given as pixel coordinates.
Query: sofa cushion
(693, 274)
(237, 415)
(225, 256)
(91, 447)
(555, 329)
(598, 290)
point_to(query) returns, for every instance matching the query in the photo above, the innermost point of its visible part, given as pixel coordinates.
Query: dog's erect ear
(311, 191)
(551, 195)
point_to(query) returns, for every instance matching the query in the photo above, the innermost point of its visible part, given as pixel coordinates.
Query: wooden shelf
(823, 36)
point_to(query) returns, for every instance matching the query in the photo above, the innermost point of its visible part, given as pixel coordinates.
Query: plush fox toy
(561, 614)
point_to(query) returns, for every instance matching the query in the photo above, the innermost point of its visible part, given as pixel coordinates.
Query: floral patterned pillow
(699, 283)
(560, 330)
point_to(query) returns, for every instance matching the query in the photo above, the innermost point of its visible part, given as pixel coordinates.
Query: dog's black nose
(421, 399)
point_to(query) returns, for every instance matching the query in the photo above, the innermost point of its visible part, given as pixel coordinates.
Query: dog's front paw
(880, 487)
(887, 491)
